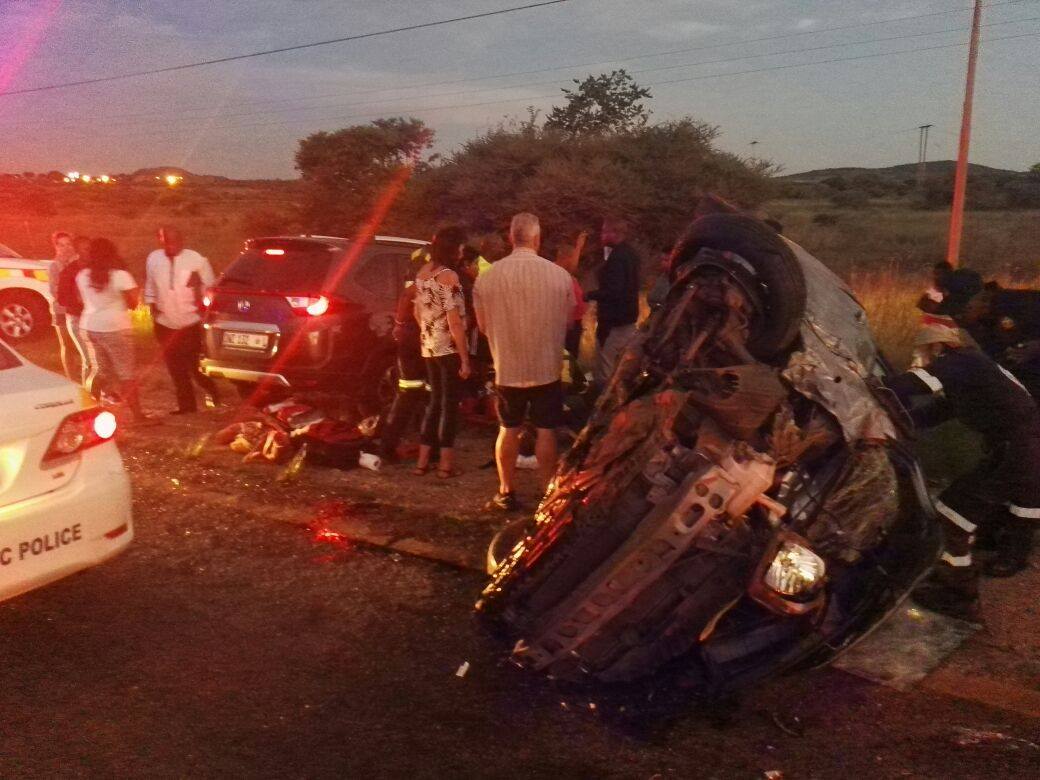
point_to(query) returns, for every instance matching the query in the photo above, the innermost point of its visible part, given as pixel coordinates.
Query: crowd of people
(94, 296)
(477, 312)
(484, 316)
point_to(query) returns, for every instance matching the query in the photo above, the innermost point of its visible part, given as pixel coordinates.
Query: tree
(653, 174)
(607, 103)
(345, 172)
(1034, 171)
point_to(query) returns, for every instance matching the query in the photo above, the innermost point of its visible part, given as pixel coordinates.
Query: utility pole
(960, 182)
(922, 154)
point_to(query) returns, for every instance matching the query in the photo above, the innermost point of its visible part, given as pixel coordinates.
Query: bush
(825, 219)
(653, 175)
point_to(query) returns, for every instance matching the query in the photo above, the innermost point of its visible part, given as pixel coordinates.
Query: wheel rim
(16, 321)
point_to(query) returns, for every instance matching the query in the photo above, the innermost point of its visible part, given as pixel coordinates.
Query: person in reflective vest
(999, 500)
(410, 398)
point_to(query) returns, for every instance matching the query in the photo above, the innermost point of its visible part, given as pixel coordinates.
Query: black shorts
(543, 404)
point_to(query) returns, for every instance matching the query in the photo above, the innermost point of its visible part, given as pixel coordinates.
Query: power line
(148, 118)
(664, 53)
(535, 98)
(266, 52)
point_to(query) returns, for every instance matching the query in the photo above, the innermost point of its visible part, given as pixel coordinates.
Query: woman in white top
(440, 310)
(109, 293)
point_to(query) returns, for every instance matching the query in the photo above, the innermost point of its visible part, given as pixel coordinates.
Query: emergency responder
(411, 396)
(1006, 325)
(1000, 495)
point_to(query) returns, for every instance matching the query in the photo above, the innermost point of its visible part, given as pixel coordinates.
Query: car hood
(839, 357)
(21, 263)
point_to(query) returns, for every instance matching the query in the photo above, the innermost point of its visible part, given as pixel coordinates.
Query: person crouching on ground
(109, 293)
(440, 310)
(523, 305)
(1000, 498)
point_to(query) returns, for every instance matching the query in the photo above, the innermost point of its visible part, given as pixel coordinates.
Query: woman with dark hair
(109, 293)
(440, 310)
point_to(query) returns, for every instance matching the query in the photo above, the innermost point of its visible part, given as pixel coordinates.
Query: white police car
(25, 297)
(64, 496)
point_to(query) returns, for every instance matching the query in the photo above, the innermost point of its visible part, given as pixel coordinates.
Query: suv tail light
(80, 431)
(315, 307)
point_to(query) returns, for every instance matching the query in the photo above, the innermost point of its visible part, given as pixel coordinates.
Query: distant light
(104, 178)
(73, 175)
(66, 179)
(172, 180)
(86, 177)
(276, 252)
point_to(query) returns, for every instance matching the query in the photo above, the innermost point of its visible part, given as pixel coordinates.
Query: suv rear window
(289, 268)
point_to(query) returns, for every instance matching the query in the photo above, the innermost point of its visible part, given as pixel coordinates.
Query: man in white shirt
(524, 304)
(175, 279)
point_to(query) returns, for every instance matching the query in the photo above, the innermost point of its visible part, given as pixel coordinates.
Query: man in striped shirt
(523, 304)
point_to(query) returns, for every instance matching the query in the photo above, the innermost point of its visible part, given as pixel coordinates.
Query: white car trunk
(34, 402)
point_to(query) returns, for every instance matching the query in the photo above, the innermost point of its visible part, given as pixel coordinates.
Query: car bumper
(217, 370)
(80, 525)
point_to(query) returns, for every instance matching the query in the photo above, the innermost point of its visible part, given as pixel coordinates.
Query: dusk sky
(243, 119)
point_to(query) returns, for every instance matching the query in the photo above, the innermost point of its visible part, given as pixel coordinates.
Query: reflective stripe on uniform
(1023, 511)
(959, 561)
(1011, 376)
(411, 384)
(929, 379)
(956, 518)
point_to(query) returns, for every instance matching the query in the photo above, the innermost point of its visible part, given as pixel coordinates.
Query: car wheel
(23, 315)
(757, 256)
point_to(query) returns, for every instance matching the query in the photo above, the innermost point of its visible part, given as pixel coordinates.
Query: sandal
(446, 474)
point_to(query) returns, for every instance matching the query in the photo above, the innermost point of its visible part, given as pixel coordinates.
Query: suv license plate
(245, 340)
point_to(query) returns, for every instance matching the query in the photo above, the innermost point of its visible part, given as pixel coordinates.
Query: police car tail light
(79, 431)
(302, 304)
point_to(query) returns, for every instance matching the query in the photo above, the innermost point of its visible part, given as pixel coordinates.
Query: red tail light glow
(80, 431)
(312, 306)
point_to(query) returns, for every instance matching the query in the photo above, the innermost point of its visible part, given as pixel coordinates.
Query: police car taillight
(80, 431)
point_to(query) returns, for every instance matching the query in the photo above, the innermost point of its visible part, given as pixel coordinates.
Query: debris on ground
(967, 737)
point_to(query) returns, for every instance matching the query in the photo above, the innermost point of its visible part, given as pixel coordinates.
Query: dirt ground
(316, 627)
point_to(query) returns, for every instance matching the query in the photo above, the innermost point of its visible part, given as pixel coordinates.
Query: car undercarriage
(743, 499)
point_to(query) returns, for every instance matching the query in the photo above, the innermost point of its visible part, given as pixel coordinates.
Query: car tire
(24, 316)
(775, 269)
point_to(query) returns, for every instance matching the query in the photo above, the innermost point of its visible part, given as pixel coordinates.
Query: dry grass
(212, 217)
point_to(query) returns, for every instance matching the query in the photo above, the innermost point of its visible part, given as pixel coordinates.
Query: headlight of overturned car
(789, 578)
(795, 570)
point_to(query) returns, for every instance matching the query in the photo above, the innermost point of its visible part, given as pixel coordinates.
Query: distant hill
(900, 173)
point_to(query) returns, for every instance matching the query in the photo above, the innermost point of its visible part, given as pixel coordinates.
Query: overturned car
(743, 499)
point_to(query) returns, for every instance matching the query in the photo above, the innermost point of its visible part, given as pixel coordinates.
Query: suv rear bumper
(213, 368)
